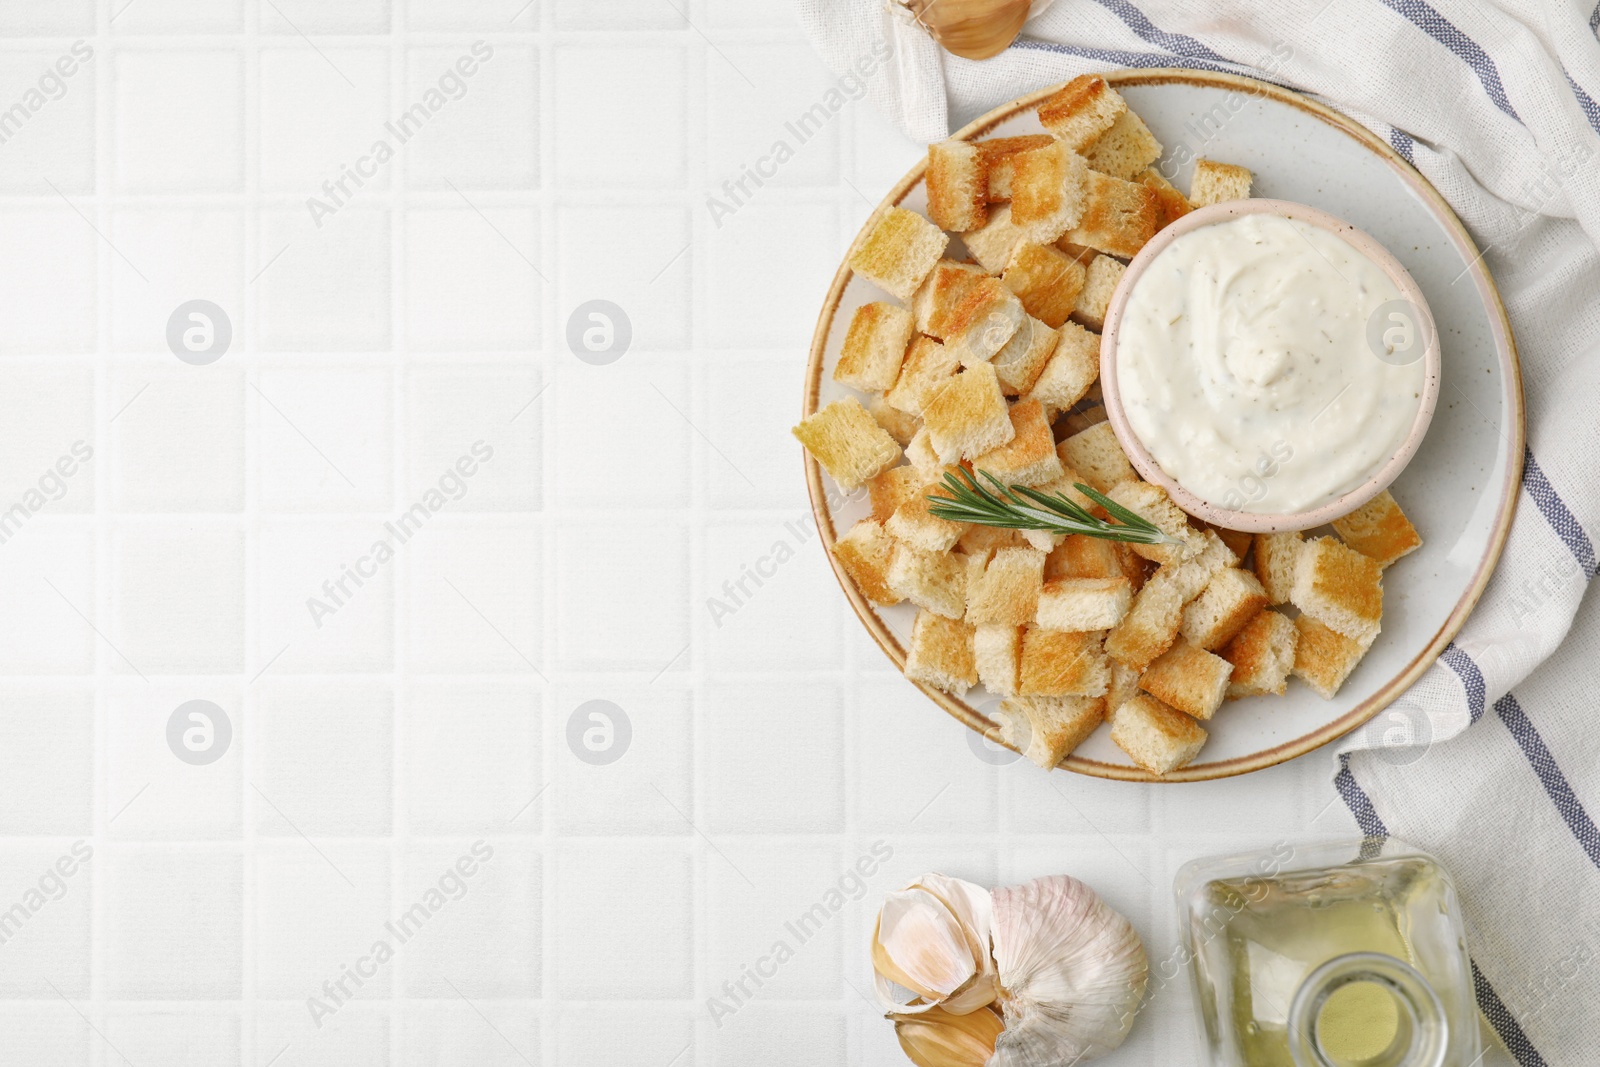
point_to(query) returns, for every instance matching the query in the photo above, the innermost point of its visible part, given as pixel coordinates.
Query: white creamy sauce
(1245, 367)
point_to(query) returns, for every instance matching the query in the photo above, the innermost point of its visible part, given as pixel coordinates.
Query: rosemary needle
(1019, 507)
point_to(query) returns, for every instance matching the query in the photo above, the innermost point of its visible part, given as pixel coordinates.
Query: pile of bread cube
(990, 363)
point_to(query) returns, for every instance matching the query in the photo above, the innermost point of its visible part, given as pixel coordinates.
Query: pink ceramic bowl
(1251, 521)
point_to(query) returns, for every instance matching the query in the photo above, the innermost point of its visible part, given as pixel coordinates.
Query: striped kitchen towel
(1494, 103)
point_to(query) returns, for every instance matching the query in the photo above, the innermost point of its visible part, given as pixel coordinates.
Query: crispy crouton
(958, 186)
(1019, 364)
(928, 365)
(1190, 577)
(989, 539)
(1323, 657)
(1150, 626)
(992, 243)
(1275, 559)
(987, 317)
(899, 425)
(968, 415)
(1029, 458)
(1215, 182)
(1043, 540)
(998, 649)
(1156, 737)
(1124, 687)
(1118, 216)
(1238, 541)
(936, 301)
(1072, 369)
(1048, 188)
(940, 654)
(933, 580)
(1084, 604)
(865, 553)
(1081, 111)
(998, 154)
(1124, 150)
(894, 487)
(912, 523)
(1339, 587)
(1171, 205)
(1054, 725)
(1046, 280)
(1188, 678)
(1152, 503)
(1379, 529)
(1057, 663)
(874, 347)
(1099, 281)
(899, 251)
(1082, 556)
(1232, 598)
(1008, 591)
(1262, 655)
(847, 442)
(1095, 454)
(1077, 253)
(921, 454)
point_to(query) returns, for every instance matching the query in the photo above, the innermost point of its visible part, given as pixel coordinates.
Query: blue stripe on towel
(1177, 43)
(1402, 142)
(1471, 678)
(1361, 807)
(1549, 773)
(1591, 110)
(1441, 29)
(1557, 514)
(1117, 57)
(1594, 20)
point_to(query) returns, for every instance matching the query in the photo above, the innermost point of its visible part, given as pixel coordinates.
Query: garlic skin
(938, 1038)
(972, 29)
(933, 940)
(1072, 973)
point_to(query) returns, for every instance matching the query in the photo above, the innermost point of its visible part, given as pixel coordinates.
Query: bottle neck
(1366, 1009)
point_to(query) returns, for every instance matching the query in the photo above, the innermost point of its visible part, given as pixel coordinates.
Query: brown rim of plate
(1499, 324)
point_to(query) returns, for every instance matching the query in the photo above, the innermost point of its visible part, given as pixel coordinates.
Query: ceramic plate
(1461, 488)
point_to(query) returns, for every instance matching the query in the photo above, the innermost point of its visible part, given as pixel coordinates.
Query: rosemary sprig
(1021, 508)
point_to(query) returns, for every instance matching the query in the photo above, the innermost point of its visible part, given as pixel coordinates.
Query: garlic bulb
(937, 1038)
(932, 940)
(1072, 973)
(971, 29)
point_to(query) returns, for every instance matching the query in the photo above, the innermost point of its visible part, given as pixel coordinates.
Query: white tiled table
(433, 706)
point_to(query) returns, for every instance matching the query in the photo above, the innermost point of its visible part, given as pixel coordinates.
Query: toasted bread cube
(1100, 279)
(921, 454)
(1059, 663)
(847, 442)
(936, 301)
(998, 649)
(1048, 190)
(1046, 729)
(1081, 110)
(927, 367)
(874, 347)
(1043, 540)
(1082, 556)
(1152, 503)
(1215, 182)
(1149, 628)
(958, 186)
(1095, 454)
(1323, 657)
(1340, 588)
(1188, 678)
(865, 553)
(1029, 458)
(887, 491)
(987, 317)
(998, 156)
(1277, 555)
(1118, 216)
(1238, 541)
(1084, 604)
(1077, 253)
(1156, 737)
(1072, 369)
(1124, 150)
(993, 242)
(968, 415)
(979, 540)
(1232, 598)
(1379, 529)
(896, 423)
(899, 251)
(1262, 654)
(940, 654)
(933, 580)
(1124, 687)
(1046, 280)
(1171, 205)
(1067, 486)
(914, 524)
(1008, 590)
(1024, 357)
(1191, 576)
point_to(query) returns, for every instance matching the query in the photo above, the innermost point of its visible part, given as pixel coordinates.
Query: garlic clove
(1072, 972)
(972, 29)
(932, 941)
(939, 1038)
